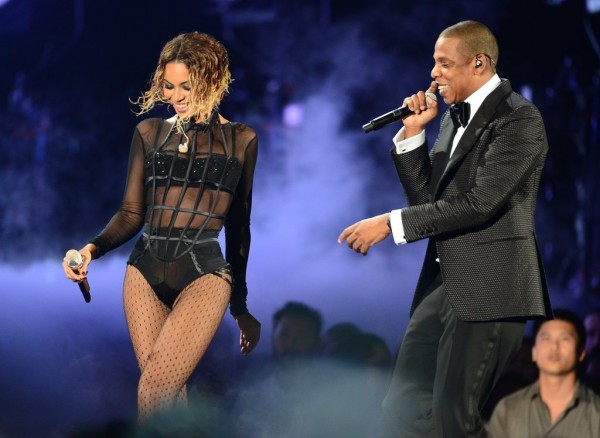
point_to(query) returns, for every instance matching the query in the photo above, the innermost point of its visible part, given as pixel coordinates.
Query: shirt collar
(476, 99)
(581, 392)
(534, 389)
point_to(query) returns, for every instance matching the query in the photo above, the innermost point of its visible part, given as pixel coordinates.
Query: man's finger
(344, 234)
(432, 89)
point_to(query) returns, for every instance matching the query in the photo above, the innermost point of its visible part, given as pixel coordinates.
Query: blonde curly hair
(208, 65)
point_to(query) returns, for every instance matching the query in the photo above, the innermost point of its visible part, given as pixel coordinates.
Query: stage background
(307, 75)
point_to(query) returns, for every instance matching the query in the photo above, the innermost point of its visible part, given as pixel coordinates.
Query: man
(557, 405)
(296, 338)
(473, 197)
(276, 403)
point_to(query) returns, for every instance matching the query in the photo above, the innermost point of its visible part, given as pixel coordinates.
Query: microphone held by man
(392, 116)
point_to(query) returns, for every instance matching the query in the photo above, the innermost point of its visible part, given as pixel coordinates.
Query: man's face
(294, 339)
(592, 329)
(454, 71)
(555, 349)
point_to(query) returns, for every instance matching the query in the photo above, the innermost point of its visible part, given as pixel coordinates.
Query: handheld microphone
(392, 116)
(75, 261)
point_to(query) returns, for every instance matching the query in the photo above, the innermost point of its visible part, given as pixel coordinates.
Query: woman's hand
(78, 275)
(249, 332)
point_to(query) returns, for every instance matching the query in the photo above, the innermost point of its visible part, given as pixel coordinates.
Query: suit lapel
(442, 152)
(475, 127)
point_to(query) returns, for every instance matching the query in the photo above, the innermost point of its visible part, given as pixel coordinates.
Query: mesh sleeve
(237, 229)
(129, 219)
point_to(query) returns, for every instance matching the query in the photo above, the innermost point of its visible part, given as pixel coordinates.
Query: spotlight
(293, 115)
(593, 6)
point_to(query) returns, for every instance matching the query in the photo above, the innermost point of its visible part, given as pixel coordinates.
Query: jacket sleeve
(414, 171)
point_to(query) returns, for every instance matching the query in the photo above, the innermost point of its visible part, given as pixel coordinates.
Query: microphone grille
(74, 259)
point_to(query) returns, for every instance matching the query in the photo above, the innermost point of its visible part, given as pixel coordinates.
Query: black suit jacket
(477, 209)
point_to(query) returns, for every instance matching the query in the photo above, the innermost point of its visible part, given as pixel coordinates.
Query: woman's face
(176, 87)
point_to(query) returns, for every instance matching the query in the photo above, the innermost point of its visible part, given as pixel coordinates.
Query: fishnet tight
(168, 344)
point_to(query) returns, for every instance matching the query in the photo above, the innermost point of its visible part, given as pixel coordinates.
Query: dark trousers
(445, 370)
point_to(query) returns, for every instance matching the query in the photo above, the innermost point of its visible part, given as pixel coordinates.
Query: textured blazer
(477, 209)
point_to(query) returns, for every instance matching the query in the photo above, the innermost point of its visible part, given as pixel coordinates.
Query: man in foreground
(473, 196)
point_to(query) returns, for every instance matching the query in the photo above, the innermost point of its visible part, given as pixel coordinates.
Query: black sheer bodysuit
(182, 199)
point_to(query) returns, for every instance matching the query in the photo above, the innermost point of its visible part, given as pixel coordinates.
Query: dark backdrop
(307, 75)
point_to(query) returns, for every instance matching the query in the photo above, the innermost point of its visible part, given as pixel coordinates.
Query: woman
(188, 177)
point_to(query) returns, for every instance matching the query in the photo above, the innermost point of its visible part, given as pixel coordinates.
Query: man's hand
(424, 106)
(364, 234)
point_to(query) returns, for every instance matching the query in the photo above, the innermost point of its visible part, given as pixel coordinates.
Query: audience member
(358, 366)
(346, 344)
(330, 385)
(296, 337)
(337, 332)
(557, 404)
(378, 367)
(341, 342)
(277, 405)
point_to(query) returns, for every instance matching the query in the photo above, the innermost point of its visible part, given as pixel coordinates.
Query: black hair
(302, 310)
